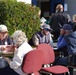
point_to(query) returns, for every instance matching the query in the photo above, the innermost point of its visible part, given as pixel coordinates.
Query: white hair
(19, 37)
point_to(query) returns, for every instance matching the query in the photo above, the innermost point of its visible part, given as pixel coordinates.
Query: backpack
(58, 20)
(31, 41)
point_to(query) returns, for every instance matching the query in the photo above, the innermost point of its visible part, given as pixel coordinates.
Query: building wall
(71, 4)
(54, 3)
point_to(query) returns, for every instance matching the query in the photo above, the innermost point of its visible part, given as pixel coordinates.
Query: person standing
(58, 19)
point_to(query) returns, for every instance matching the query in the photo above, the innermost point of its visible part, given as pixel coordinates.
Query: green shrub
(18, 15)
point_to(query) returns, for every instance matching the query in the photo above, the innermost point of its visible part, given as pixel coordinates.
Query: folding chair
(49, 58)
(32, 62)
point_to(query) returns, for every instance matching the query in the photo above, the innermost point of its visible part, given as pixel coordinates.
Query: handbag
(71, 60)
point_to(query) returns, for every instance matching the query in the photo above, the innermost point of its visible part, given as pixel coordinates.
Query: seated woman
(22, 47)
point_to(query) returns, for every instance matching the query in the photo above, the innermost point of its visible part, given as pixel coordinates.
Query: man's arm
(62, 44)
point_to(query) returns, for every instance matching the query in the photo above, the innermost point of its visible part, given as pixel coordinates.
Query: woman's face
(17, 41)
(3, 35)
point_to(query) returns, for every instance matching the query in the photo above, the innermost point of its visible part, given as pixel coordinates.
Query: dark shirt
(57, 21)
(6, 41)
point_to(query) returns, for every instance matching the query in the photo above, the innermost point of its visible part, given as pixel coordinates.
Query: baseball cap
(3, 28)
(66, 27)
(46, 26)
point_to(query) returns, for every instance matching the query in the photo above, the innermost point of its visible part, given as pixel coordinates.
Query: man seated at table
(61, 44)
(43, 36)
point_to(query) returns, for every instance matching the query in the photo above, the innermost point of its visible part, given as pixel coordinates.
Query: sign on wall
(65, 7)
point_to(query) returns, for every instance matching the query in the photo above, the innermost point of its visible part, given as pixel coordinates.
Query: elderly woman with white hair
(22, 47)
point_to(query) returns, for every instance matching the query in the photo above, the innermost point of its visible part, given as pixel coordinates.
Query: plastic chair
(32, 62)
(49, 58)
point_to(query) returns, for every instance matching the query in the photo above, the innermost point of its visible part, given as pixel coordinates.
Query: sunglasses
(47, 29)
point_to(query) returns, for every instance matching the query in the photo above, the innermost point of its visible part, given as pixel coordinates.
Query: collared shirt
(16, 63)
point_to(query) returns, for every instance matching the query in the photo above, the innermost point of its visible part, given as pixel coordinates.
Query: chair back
(32, 62)
(48, 52)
